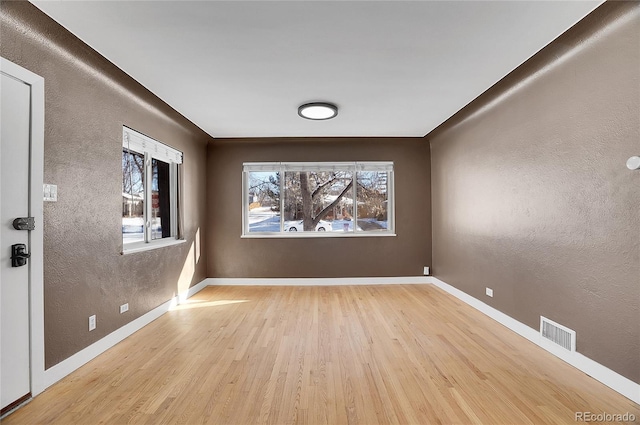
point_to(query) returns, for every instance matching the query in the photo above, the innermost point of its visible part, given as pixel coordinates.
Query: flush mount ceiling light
(318, 111)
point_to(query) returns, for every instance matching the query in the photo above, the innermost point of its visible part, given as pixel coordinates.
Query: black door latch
(19, 255)
(24, 223)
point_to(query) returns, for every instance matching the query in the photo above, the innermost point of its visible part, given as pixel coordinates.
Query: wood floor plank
(361, 355)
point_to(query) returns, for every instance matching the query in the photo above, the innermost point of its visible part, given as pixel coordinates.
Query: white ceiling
(241, 68)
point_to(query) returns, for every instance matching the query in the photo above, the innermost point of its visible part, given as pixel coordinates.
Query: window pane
(373, 201)
(318, 201)
(160, 200)
(264, 201)
(132, 197)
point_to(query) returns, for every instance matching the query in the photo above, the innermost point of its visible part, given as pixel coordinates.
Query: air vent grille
(558, 334)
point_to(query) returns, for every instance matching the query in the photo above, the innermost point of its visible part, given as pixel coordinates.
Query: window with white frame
(319, 199)
(149, 191)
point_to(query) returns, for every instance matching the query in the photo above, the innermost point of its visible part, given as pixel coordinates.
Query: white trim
(613, 380)
(141, 143)
(354, 167)
(67, 366)
(318, 166)
(64, 368)
(182, 296)
(148, 198)
(148, 246)
(391, 200)
(245, 200)
(330, 234)
(601, 373)
(320, 281)
(36, 262)
(173, 199)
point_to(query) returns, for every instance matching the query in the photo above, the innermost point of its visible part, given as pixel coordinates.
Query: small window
(318, 199)
(149, 190)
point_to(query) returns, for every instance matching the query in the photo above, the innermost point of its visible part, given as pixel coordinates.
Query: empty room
(320, 212)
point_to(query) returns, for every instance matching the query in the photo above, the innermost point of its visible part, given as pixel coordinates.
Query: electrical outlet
(489, 292)
(92, 322)
(124, 308)
(426, 271)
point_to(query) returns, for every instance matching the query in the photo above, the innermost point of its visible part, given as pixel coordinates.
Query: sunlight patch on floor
(189, 304)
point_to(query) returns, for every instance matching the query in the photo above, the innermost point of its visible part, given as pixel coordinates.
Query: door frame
(36, 262)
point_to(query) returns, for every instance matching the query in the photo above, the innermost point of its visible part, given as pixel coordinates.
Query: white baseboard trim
(64, 368)
(612, 379)
(608, 377)
(192, 291)
(313, 281)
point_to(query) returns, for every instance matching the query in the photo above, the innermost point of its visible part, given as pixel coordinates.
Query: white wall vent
(558, 334)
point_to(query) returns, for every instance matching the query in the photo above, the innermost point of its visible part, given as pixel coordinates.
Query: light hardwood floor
(401, 354)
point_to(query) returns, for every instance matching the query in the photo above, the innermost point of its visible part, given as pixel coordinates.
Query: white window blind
(138, 142)
(260, 166)
(374, 166)
(318, 166)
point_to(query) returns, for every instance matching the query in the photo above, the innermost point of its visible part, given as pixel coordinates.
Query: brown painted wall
(530, 193)
(403, 255)
(88, 100)
(531, 196)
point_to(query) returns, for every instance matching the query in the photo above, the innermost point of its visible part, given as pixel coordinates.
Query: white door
(14, 278)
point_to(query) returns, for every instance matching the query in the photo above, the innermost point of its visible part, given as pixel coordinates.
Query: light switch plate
(50, 192)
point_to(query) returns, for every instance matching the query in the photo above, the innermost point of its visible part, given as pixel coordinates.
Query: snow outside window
(319, 199)
(149, 191)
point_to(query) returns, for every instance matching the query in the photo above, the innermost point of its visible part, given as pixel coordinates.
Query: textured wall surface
(403, 255)
(88, 100)
(531, 196)
(530, 193)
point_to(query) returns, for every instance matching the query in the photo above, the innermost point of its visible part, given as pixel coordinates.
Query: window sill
(142, 246)
(296, 235)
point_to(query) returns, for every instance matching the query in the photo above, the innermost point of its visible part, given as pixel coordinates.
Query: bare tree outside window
(318, 199)
(149, 191)
(314, 196)
(132, 196)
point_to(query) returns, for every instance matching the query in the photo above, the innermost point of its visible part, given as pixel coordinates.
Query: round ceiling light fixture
(318, 111)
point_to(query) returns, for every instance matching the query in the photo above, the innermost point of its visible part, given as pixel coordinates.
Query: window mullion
(173, 195)
(281, 189)
(141, 184)
(245, 201)
(147, 197)
(391, 202)
(354, 177)
(378, 213)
